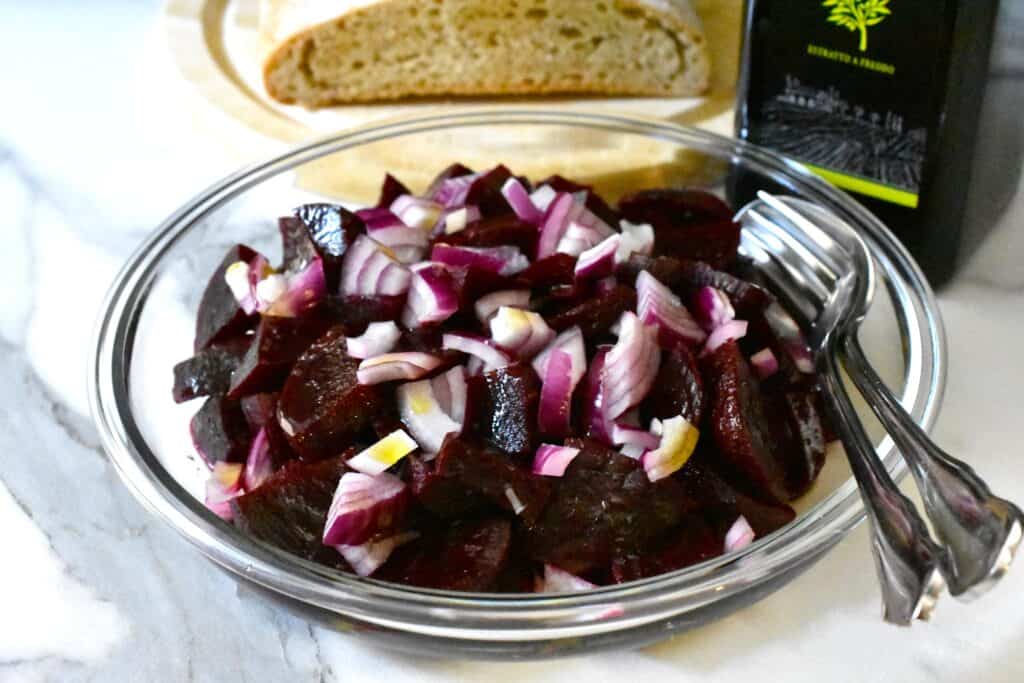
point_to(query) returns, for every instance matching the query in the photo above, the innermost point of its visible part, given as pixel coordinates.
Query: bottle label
(849, 88)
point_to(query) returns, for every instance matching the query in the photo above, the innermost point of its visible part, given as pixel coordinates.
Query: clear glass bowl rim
(487, 616)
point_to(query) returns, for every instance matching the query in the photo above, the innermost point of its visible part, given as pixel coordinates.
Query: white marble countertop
(92, 156)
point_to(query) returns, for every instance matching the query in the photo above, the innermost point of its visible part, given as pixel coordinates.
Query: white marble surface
(94, 151)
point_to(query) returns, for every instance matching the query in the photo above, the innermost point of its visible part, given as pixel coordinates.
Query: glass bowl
(148, 319)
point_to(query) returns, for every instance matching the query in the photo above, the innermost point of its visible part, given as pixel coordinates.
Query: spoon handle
(906, 557)
(981, 530)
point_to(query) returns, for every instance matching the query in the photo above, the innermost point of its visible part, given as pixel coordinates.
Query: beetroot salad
(503, 386)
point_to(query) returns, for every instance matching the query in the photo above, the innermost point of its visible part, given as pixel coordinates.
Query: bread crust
(288, 28)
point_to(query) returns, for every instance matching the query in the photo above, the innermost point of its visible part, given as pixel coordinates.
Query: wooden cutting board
(215, 46)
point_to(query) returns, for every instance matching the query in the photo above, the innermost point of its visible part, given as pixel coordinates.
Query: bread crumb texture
(390, 49)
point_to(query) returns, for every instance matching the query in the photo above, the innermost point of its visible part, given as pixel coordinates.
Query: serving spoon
(828, 274)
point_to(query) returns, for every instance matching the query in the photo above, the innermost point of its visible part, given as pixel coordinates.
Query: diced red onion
(676, 445)
(506, 260)
(586, 231)
(542, 197)
(637, 238)
(242, 278)
(457, 219)
(765, 363)
(450, 391)
(452, 192)
(421, 412)
(633, 451)
(432, 296)
(383, 454)
(224, 485)
(416, 212)
(258, 465)
(364, 505)
(598, 426)
(303, 291)
(623, 434)
(739, 535)
(408, 244)
(732, 330)
(367, 558)
(658, 306)
(513, 500)
(551, 461)
(389, 367)
(492, 357)
(630, 367)
(519, 199)
(487, 305)
(570, 228)
(379, 338)
(560, 581)
(380, 218)
(368, 271)
(474, 366)
(791, 336)
(713, 308)
(523, 333)
(561, 366)
(598, 261)
(556, 220)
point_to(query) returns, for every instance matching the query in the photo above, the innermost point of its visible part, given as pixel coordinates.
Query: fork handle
(981, 530)
(906, 557)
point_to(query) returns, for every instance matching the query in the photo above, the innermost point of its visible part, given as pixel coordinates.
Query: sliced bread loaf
(329, 52)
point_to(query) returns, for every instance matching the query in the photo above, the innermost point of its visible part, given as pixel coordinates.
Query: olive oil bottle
(879, 97)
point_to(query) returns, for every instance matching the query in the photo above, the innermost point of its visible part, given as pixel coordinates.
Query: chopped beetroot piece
(502, 408)
(220, 432)
(220, 318)
(495, 231)
(713, 242)
(277, 345)
(490, 474)
(597, 205)
(557, 269)
(742, 425)
(722, 502)
(444, 496)
(668, 209)
(693, 542)
(297, 249)
(355, 313)
(260, 412)
(596, 315)
(806, 455)
(209, 371)
(426, 339)
(678, 388)
(456, 170)
(386, 424)
(329, 231)
(468, 556)
(603, 507)
(322, 406)
(390, 190)
(485, 192)
(471, 283)
(289, 510)
(519, 575)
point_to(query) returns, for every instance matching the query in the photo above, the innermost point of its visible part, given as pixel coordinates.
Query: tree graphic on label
(858, 15)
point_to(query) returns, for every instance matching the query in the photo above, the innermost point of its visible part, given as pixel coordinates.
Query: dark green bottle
(880, 97)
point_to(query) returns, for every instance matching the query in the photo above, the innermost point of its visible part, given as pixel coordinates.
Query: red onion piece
(476, 346)
(523, 333)
(739, 535)
(570, 341)
(380, 218)
(487, 305)
(563, 213)
(452, 192)
(242, 277)
(388, 367)
(367, 558)
(519, 199)
(658, 306)
(598, 427)
(561, 368)
(765, 363)
(637, 238)
(456, 220)
(363, 506)
(258, 465)
(734, 329)
(383, 454)
(585, 230)
(450, 392)
(598, 261)
(792, 337)
(624, 434)
(560, 581)
(379, 338)
(416, 212)
(407, 244)
(506, 260)
(368, 271)
(551, 461)
(713, 308)
(421, 412)
(630, 367)
(432, 296)
(303, 291)
(631, 450)
(677, 442)
(224, 485)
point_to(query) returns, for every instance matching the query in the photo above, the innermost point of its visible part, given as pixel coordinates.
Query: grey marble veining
(93, 588)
